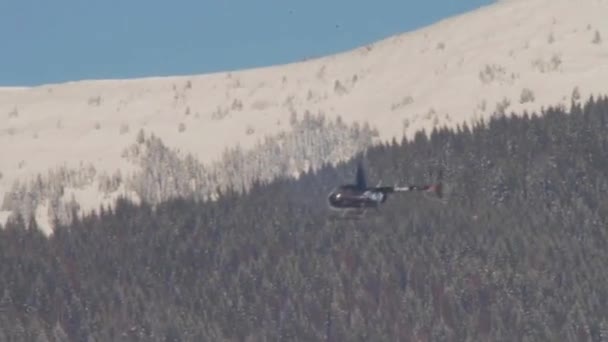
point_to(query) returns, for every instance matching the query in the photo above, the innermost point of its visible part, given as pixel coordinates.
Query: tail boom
(433, 188)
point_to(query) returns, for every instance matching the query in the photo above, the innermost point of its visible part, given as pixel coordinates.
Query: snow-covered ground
(460, 69)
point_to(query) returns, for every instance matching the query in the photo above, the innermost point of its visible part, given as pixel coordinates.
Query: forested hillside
(516, 252)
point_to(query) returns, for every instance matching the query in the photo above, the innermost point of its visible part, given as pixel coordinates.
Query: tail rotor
(436, 189)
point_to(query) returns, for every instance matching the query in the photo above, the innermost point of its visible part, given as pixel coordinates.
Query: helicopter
(357, 198)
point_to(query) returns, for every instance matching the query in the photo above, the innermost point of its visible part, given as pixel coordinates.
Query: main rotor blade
(361, 178)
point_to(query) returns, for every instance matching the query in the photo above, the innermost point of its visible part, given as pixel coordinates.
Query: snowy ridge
(511, 56)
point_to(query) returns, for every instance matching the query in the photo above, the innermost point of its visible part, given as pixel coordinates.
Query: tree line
(162, 172)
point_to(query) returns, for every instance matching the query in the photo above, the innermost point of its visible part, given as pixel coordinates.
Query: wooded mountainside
(516, 252)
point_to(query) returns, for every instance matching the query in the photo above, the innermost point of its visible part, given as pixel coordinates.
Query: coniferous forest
(516, 251)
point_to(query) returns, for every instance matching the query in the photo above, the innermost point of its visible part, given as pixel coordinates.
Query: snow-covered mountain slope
(510, 56)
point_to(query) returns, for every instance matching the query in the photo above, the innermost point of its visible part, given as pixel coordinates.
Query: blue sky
(46, 41)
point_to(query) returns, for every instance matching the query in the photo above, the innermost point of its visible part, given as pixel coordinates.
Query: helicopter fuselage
(359, 196)
(350, 196)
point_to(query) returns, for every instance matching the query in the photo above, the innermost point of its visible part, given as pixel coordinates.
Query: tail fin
(437, 188)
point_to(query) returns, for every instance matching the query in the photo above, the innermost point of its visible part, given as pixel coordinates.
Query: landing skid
(352, 214)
